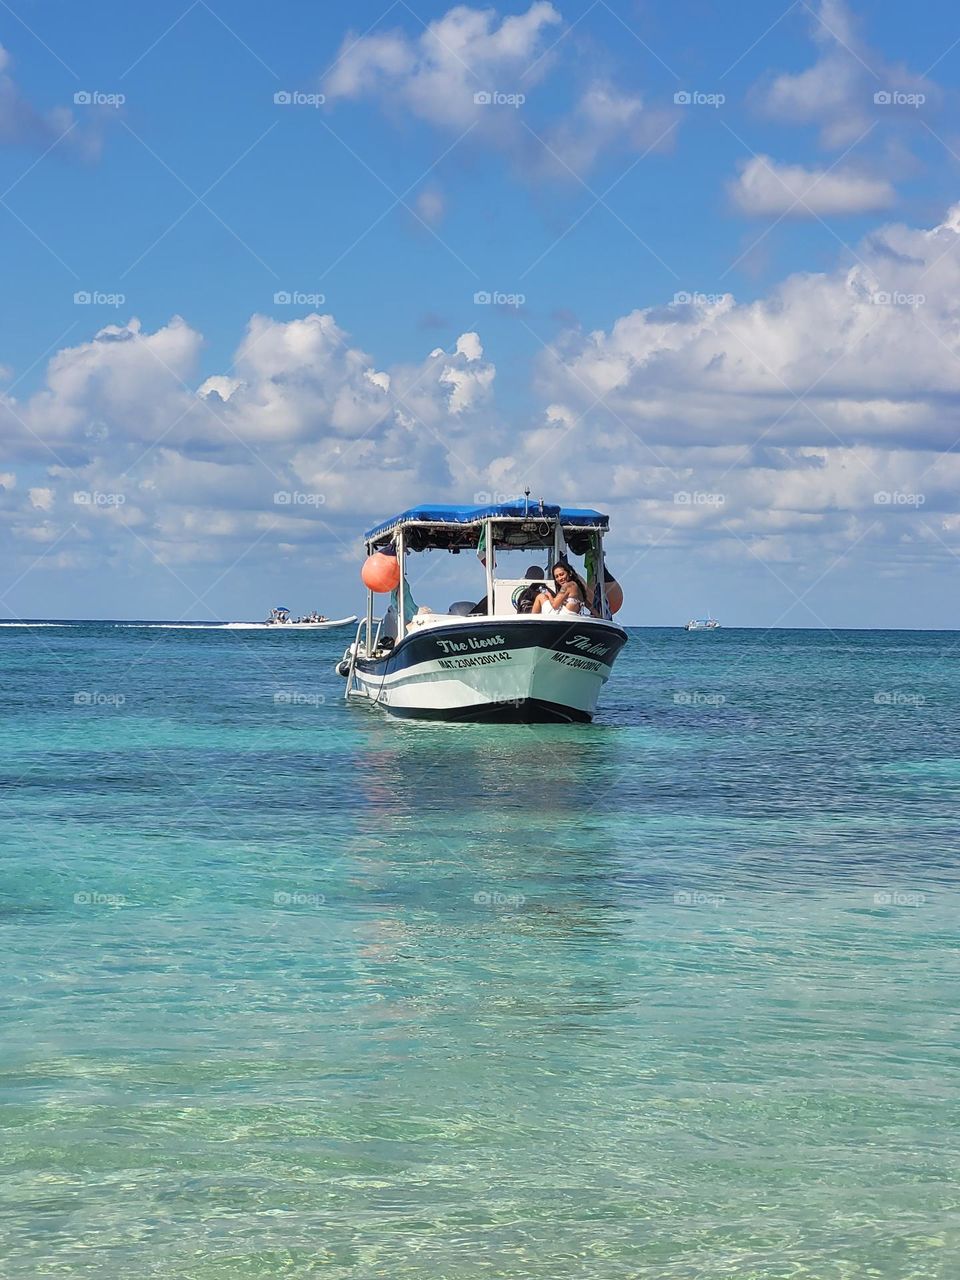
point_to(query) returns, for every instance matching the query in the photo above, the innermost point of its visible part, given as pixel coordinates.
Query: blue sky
(723, 236)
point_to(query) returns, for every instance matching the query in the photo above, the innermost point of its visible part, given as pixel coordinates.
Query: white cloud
(777, 422)
(41, 499)
(303, 411)
(606, 119)
(469, 378)
(448, 74)
(436, 74)
(780, 419)
(766, 188)
(837, 92)
(23, 124)
(121, 384)
(431, 205)
(221, 386)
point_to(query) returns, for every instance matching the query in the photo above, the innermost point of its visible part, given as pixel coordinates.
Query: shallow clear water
(293, 989)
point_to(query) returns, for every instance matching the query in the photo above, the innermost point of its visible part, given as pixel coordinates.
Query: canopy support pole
(601, 577)
(401, 593)
(369, 616)
(491, 555)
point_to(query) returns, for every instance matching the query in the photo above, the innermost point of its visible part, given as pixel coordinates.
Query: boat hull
(517, 669)
(300, 626)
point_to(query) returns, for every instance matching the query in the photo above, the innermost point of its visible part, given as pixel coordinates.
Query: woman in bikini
(570, 596)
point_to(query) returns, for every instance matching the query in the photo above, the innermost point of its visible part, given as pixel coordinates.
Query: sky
(273, 273)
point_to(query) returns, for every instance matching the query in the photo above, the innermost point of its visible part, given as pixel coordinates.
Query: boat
(280, 617)
(702, 624)
(485, 658)
(326, 625)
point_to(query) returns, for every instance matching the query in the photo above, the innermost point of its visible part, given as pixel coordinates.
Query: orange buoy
(381, 571)
(614, 595)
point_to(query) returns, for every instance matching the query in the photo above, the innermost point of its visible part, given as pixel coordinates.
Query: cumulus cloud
(867, 346)
(838, 93)
(474, 70)
(437, 74)
(820, 412)
(798, 423)
(766, 188)
(303, 411)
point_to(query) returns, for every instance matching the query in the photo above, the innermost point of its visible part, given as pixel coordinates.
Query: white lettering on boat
(587, 646)
(471, 642)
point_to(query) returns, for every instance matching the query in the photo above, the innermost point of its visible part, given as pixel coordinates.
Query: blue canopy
(578, 517)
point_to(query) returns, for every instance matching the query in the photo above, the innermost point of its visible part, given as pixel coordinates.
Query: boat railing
(362, 643)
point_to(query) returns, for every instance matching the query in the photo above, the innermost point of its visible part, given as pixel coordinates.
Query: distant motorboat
(280, 617)
(702, 624)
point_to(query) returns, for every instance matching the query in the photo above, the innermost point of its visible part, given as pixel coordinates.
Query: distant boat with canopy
(490, 657)
(280, 617)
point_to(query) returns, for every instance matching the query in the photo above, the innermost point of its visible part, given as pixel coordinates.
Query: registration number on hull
(480, 660)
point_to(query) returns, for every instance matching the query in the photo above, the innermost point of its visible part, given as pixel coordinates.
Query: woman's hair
(572, 575)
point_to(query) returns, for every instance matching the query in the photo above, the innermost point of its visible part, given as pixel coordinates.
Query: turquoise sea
(290, 989)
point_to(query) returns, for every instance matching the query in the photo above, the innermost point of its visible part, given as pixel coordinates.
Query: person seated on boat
(569, 597)
(523, 598)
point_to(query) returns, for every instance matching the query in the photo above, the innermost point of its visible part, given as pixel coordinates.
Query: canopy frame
(522, 525)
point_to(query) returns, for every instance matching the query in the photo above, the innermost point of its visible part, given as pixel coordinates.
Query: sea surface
(291, 989)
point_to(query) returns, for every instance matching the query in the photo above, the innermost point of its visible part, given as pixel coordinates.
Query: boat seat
(506, 589)
(462, 608)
